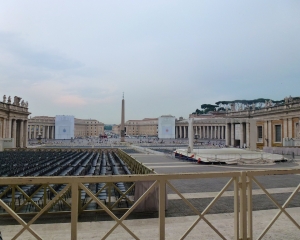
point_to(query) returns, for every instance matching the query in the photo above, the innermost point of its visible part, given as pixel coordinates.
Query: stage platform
(228, 156)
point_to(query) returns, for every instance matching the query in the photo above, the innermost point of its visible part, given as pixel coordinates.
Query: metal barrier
(248, 178)
(242, 188)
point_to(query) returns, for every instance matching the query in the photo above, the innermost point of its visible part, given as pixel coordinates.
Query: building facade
(14, 120)
(46, 127)
(266, 126)
(146, 126)
(273, 123)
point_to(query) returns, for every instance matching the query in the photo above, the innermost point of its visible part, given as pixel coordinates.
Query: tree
(209, 107)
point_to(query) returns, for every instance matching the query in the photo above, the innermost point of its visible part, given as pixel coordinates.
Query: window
(259, 134)
(277, 133)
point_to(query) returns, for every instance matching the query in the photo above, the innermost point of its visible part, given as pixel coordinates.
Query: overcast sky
(168, 57)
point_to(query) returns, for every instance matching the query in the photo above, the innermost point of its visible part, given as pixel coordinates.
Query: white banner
(64, 127)
(166, 127)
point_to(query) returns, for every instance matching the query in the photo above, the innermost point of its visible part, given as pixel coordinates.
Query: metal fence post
(243, 205)
(249, 206)
(74, 211)
(236, 208)
(162, 208)
(13, 197)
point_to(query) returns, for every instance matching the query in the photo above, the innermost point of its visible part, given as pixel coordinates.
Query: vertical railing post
(236, 208)
(13, 197)
(45, 195)
(249, 206)
(74, 211)
(79, 201)
(162, 208)
(109, 195)
(243, 205)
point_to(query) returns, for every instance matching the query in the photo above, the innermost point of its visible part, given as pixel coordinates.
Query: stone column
(44, 131)
(211, 132)
(290, 128)
(28, 130)
(21, 133)
(201, 132)
(285, 128)
(215, 132)
(270, 133)
(53, 132)
(191, 135)
(232, 134)
(14, 131)
(241, 135)
(221, 132)
(34, 131)
(265, 134)
(248, 134)
(2, 128)
(184, 133)
(227, 134)
(25, 139)
(9, 132)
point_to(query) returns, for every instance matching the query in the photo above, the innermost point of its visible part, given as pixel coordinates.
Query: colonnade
(14, 128)
(235, 134)
(238, 134)
(46, 131)
(203, 131)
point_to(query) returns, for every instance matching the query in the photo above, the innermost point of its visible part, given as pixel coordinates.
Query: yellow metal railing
(240, 181)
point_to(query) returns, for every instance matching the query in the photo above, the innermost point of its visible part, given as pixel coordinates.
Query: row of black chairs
(49, 163)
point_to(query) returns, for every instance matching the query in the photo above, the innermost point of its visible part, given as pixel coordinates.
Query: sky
(168, 57)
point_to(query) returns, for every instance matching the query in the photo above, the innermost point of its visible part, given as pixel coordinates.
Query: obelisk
(123, 121)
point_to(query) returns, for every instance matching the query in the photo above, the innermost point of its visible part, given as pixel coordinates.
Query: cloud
(70, 101)
(25, 54)
(167, 56)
